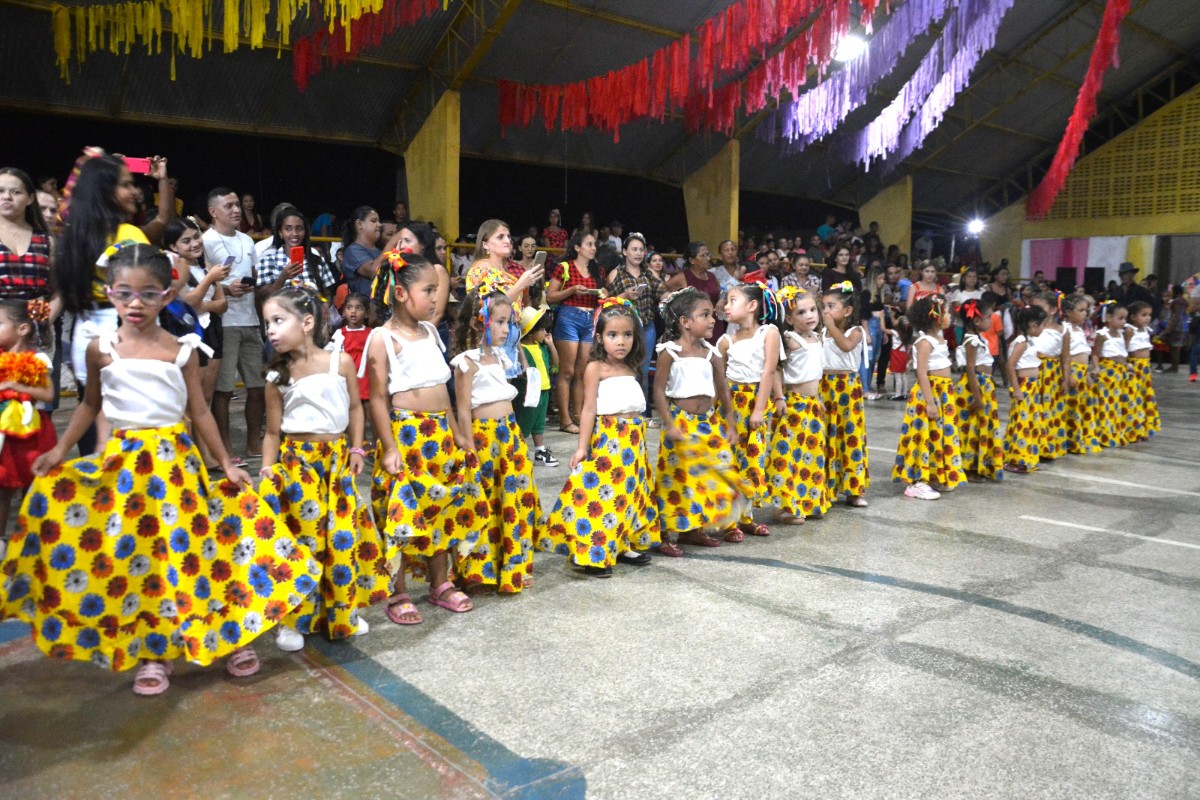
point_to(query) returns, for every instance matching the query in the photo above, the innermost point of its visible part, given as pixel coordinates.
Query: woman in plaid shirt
(639, 286)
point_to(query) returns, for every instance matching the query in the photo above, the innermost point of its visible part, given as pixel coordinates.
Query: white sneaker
(289, 640)
(363, 627)
(3, 548)
(921, 491)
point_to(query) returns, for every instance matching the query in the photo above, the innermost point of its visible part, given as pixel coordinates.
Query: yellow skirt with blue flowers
(979, 429)
(697, 485)
(1051, 407)
(133, 554)
(1110, 393)
(845, 436)
(1145, 421)
(928, 451)
(1022, 437)
(607, 505)
(313, 491)
(796, 458)
(750, 446)
(1079, 414)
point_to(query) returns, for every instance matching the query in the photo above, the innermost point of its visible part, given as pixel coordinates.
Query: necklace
(239, 255)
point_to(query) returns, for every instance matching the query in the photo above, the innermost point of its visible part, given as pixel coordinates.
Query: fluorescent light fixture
(849, 48)
(975, 227)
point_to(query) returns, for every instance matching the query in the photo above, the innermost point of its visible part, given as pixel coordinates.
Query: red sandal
(400, 605)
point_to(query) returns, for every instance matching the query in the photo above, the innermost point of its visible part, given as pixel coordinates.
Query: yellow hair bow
(790, 293)
(112, 250)
(844, 286)
(395, 262)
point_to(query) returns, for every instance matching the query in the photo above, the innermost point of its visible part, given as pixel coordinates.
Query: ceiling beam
(615, 19)
(1156, 39)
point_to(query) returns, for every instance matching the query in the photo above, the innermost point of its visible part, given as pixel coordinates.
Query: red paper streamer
(1104, 56)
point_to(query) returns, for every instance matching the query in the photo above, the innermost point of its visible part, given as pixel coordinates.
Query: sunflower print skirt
(750, 446)
(1110, 393)
(607, 505)
(506, 508)
(1050, 405)
(423, 509)
(1079, 414)
(845, 436)
(1022, 437)
(1145, 422)
(313, 491)
(928, 451)
(134, 554)
(796, 458)
(697, 485)
(979, 429)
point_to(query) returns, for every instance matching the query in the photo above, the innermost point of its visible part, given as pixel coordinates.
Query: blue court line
(509, 774)
(1102, 635)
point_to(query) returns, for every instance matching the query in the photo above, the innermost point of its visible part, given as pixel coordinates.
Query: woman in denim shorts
(575, 287)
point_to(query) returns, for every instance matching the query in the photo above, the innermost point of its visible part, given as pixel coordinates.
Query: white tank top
(806, 362)
(1113, 346)
(1079, 342)
(745, 360)
(144, 392)
(835, 359)
(939, 354)
(1140, 339)
(418, 364)
(489, 384)
(1029, 359)
(983, 356)
(690, 376)
(1049, 342)
(620, 395)
(317, 403)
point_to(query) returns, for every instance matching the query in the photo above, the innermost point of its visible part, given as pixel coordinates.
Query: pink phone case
(138, 166)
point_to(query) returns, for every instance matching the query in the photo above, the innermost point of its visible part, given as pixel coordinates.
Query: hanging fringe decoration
(119, 27)
(1104, 56)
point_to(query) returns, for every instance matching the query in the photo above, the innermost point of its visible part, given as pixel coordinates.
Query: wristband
(358, 451)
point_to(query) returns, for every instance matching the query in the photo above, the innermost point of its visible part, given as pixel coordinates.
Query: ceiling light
(850, 48)
(975, 227)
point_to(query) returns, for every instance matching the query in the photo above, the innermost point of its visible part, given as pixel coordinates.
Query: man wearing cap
(1130, 291)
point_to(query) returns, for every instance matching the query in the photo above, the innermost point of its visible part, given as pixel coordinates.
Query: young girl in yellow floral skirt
(845, 347)
(312, 456)
(605, 513)
(425, 466)
(697, 486)
(979, 416)
(134, 557)
(1079, 412)
(1022, 437)
(1049, 386)
(796, 454)
(1110, 389)
(928, 452)
(751, 366)
(506, 508)
(1145, 421)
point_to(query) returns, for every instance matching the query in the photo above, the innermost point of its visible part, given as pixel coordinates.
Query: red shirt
(354, 343)
(573, 278)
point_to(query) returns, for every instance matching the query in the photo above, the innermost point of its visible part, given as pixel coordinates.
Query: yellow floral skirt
(928, 451)
(1022, 437)
(1146, 421)
(796, 458)
(1114, 408)
(607, 505)
(750, 446)
(979, 429)
(1079, 414)
(313, 491)
(1050, 405)
(506, 509)
(697, 485)
(134, 554)
(846, 453)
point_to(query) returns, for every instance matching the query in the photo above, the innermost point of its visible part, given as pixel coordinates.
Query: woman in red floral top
(553, 235)
(575, 284)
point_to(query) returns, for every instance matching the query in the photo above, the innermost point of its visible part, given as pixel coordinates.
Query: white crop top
(1029, 359)
(317, 403)
(1049, 343)
(1079, 342)
(835, 359)
(983, 356)
(418, 364)
(1113, 346)
(144, 392)
(620, 395)
(939, 354)
(488, 384)
(1140, 339)
(805, 363)
(746, 359)
(690, 376)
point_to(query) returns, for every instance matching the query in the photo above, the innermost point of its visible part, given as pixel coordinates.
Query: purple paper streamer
(817, 112)
(969, 33)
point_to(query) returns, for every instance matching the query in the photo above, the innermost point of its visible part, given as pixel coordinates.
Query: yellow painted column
(1003, 236)
(432, 164)
(710, 196)
(892, 209)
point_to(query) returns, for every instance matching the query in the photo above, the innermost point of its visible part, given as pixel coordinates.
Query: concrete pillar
(892, 209)
(432, 164)
(710, 196)
(1003, 236)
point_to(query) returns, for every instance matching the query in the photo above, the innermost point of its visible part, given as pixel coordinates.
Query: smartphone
(539, 260)
(138, 166)
(296, 254)
(247, 281)
(229, 262)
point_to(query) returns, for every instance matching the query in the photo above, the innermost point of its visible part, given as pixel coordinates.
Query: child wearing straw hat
(541, 355)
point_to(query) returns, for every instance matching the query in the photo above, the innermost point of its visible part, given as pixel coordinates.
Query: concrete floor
(1036, 638)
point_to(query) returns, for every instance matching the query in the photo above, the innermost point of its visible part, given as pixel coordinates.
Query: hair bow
(789, 294)
(112, 250)
(971, 310)
(1104, 304)
(38, 310)
(844, 286)
(307, 286)
(935, 306)
(395, 262)
(614, 301)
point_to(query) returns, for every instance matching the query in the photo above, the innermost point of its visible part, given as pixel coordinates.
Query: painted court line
(1094, 529)
(1083, 476)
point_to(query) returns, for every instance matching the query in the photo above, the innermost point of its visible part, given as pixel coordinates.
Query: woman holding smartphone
(640, 286)
(575, 285)
(493, 254)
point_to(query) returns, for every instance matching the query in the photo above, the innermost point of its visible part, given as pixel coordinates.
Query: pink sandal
(400, 605)
(755, 530)
(242, 663)
(458, 602)
(152, 678)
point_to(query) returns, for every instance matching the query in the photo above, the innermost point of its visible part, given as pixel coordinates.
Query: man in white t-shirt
(241, 340)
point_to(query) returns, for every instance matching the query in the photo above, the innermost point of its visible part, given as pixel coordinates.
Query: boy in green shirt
(541, 355)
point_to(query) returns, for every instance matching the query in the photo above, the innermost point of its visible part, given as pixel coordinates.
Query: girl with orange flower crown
(507, 505)
(26, 433)
(134, 555)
